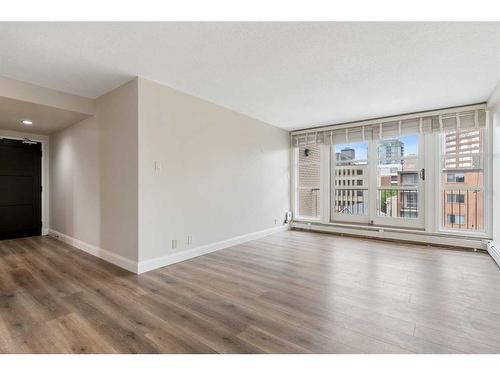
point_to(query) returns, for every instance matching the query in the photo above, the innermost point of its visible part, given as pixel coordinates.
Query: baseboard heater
(397, 234)
(494, 251)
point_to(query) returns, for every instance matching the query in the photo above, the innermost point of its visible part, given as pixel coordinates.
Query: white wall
(94, 176)
(76, 190)
(45, 169)
(118, 113)
(222, 174)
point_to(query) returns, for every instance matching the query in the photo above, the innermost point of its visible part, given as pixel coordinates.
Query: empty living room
(249, 184)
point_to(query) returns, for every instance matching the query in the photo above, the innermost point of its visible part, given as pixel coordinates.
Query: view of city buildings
(398, 178)
(350, 183)
(395, 171)
(463, 180)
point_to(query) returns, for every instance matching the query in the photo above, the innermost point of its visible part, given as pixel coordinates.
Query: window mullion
(372, 180)
(325, 184)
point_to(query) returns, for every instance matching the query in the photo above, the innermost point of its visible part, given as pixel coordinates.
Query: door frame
(44, 140)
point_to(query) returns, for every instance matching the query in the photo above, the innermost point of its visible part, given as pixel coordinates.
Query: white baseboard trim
(494, 251)
(106, 255)
(151, 264)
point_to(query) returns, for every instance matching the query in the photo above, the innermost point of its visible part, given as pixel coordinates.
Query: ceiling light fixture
(27, 122)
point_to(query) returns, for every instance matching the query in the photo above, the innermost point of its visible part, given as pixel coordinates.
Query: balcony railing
(350, 201)
(400, 203)
(463, 209)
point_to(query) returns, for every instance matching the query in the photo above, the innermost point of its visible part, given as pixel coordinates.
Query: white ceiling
(291, 75)
(45, 119)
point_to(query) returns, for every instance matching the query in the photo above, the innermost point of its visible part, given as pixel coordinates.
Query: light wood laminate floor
(293, 292)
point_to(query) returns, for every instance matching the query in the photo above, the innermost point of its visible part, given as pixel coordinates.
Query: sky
(410, 142)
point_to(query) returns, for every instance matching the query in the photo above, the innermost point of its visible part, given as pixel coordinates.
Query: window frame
(295, 187)
(351, 218)
(433, 218)
(417, 223)
(487, 181)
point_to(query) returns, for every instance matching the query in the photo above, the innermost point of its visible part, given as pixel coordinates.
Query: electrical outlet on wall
(174, 244)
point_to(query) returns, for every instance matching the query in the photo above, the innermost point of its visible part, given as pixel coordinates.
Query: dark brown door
(20, 189)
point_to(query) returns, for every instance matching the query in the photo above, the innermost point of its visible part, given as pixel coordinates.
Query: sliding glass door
(399, 183)
(379, 182)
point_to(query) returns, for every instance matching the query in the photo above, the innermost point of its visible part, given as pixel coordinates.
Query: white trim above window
(465, 117)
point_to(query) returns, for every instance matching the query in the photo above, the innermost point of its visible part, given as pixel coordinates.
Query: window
(455, 177)
(409, 178)
(398, 177)
(462, 191)
(455, 198)
(308, 182)
(401, 172)
(354, 192)
(455, 219)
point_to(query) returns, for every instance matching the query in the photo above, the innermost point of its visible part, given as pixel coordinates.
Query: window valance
(418, 123)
